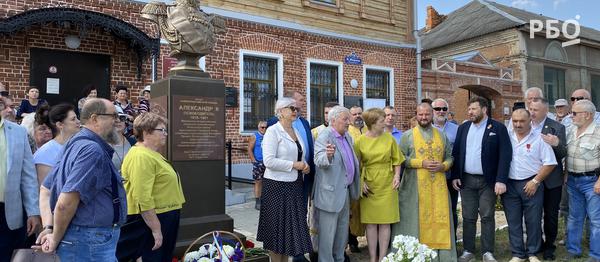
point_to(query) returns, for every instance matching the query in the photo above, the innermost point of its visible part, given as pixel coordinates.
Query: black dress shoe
(314, 257)
(346, 258)
(354, 249)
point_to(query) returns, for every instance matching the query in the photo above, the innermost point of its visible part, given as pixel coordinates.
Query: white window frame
(279, 58)
(340, 80)
(390, 70)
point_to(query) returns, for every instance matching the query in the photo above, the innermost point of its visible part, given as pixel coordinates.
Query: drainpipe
(418, 47)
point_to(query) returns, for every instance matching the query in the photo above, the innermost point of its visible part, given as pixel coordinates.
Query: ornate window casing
(365, 14)
(324, 83)
(378, 83)
(336, 6)
(143, 44)
(261, 84)
(555, 51)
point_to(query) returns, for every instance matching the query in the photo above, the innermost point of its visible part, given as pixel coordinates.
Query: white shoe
(489, 257)
(466, 257)
(534, 259)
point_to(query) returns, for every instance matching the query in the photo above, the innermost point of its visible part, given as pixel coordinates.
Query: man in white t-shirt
(532, 162)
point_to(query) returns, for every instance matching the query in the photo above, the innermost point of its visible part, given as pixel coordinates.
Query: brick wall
(14, 49)
(296, 47)
(223, 63)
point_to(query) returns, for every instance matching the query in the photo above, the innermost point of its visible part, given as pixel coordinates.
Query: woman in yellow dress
(380, 161)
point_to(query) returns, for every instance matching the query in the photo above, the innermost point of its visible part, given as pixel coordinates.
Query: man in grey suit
(18, 188)
(336, 181)
(553, 133)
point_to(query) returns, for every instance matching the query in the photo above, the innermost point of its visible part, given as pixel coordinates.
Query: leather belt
(590, 173)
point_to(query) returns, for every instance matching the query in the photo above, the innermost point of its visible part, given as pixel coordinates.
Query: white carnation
(189, 257)
(229, 251)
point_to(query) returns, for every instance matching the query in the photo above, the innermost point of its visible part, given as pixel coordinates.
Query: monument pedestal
(194, 105)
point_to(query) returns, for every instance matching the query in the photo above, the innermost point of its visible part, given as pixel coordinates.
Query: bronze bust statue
(191, 33)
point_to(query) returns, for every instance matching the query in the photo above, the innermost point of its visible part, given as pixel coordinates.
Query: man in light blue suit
(336, 181)
(18, 188)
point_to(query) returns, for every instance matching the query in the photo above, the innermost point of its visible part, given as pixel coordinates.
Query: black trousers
(551, 210)
(136, 239)
(9, 239)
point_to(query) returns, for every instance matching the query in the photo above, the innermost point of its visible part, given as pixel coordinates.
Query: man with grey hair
(87, 200)
(441, 111)
(533, 94)
(583, 184)
(580, 94)
(337, 180)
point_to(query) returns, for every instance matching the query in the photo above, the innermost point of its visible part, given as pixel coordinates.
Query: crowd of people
(321, 188)
(372, 179)
(87, 182)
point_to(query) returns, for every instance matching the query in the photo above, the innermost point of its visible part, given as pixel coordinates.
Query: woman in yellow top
(380, 161)
(154, 195)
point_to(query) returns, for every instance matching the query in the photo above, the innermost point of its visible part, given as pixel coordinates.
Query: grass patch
(503, 253)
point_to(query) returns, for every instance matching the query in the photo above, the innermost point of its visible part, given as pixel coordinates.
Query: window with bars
(260, 90)
(554, 84)
(323, 89)
(378, 85)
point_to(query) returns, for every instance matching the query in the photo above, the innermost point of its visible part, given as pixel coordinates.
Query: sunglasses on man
(4, 93)
(577, 98)
(445, 109)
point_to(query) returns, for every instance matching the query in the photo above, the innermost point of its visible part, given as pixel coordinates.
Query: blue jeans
(89, 244)
(582, 201)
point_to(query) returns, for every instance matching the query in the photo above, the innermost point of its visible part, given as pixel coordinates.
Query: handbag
(30, 255)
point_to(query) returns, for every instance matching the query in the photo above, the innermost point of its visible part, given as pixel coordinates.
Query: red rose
(249, 244)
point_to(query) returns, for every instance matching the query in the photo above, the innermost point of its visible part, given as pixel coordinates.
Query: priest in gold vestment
(425, 211)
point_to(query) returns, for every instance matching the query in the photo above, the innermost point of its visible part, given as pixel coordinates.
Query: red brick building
(341, 51)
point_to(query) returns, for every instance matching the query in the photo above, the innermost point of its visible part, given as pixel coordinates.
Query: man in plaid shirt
(583, 185)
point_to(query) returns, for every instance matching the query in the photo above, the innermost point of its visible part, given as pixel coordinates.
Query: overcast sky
(559, 9)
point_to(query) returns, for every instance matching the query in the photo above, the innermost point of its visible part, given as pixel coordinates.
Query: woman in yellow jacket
(154, 195)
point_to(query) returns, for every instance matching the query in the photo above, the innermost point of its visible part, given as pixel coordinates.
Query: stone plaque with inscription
(197, 134)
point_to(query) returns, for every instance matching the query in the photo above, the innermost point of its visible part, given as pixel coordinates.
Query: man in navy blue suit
(482, 154)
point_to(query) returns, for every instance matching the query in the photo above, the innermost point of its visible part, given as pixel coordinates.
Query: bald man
(580, 94)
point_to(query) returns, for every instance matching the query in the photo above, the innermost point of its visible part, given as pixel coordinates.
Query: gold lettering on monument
(198, 128)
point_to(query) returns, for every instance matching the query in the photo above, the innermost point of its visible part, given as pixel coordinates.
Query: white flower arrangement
(409, 250)
(217, 251)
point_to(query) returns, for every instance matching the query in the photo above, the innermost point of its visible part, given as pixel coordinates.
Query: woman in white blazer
(282, 224)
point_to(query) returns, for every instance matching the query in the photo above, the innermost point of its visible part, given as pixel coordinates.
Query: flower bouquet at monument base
(408, 249)
(221, 249)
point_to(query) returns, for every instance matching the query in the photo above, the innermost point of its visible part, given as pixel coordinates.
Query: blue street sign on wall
(353, 59)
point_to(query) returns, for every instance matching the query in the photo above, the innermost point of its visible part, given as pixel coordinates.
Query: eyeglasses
(440, 109)
(293, 108)
(163, 130)
(113, 115)
(575, 113)
(3, 93)
(573, 98)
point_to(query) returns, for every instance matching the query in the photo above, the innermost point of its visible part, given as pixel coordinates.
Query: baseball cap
(561, 102)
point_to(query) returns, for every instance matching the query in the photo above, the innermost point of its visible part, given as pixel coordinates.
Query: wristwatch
(49, 227)
(535, 181)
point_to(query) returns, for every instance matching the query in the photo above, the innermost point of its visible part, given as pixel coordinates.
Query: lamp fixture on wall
(72, 41)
